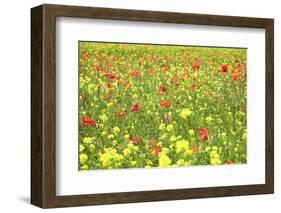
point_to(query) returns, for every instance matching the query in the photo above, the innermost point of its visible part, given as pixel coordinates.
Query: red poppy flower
(164, 67)
(236, 74)
(235, 77)
(134, 140)
(165, 104)
(86, 121)
(86, 55)
(91, 122)
(224, 68)
(137, 140)
(135, 74)
(195, 67)
(110, 75)
(153, 143)
(99, 68)
(204, 134)
(136, 107)
(120, 114)
(109, 85)
(229, 162)
(195, 149)
(203, 130)
(239, 66)
(155, 148)
(193, 86)
(185, 75)
(162, 90)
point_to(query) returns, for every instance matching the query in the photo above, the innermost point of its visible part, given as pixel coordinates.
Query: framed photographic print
(135, 106)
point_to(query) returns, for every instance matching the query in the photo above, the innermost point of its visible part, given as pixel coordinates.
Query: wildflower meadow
(145, 106)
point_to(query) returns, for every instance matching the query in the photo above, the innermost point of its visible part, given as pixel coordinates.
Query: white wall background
(15, 105)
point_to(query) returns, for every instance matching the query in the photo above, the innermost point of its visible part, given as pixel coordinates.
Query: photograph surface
(147, 106)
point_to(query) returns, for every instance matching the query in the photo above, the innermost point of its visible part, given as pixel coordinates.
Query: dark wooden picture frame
(43, 105)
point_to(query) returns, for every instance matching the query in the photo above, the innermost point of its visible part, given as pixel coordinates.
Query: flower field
(144, 106)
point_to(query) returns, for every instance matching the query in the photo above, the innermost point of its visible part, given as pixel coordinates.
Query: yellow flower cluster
(83, 158)
(116, 130)
(182, 162)
(182, 146)
(130, 149)
(110, 158)
(185, 113)
(164, 159)
(214, 156)
(170, 127)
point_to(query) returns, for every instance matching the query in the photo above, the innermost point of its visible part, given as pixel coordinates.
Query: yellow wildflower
(191, 132)
(164, 160)
(83, 158)
(162, 126)
(173, 138)
(180, 162)
(84, 167)
(185, 113)
(182, 146)
(209, 119)
(110, 136)
(127, 152)
(116, 130)
(87, 140)
(170, 127)
(103, 117)
(92, 147)
(81, 147)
